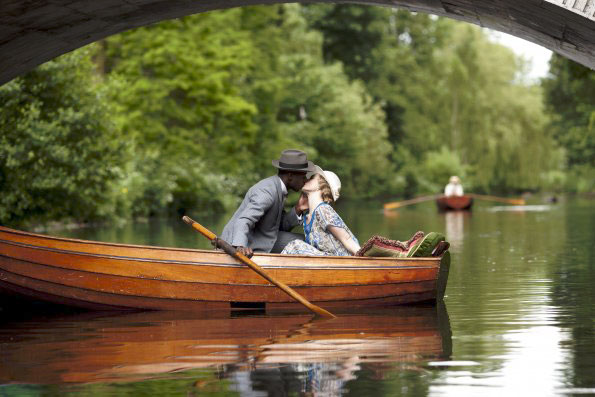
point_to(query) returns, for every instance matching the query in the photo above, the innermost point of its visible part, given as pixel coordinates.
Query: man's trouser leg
(283, 239)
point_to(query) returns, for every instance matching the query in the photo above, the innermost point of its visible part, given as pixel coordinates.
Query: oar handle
(498, 199)
(229, 249)
(219, 243)
(201, 229)
(398, 204)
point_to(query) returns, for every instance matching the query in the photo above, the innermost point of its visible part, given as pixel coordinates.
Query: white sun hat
(331, 178)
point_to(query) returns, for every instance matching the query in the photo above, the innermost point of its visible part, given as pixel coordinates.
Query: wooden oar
(238, 255)
(398, 204)
(498, 199)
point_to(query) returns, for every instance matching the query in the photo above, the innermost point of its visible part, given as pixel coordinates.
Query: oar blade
(392, 206)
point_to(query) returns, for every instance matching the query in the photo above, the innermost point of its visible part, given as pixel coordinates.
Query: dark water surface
(518, 319)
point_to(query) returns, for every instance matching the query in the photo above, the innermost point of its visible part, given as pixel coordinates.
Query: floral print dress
(319, 240)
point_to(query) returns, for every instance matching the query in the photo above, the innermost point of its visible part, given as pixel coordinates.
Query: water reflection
(255, 352)
(521, 208)
(455, 228)
(520, 298)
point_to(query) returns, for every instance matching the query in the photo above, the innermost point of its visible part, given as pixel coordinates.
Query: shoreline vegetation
(185, 115)
(53, 226)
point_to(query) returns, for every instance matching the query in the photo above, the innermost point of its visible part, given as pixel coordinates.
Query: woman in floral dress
(325, 231)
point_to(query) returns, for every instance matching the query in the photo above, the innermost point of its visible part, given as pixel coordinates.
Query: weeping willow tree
(485, 114)
(455, 103)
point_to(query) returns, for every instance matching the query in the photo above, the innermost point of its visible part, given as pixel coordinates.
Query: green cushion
(426, 245)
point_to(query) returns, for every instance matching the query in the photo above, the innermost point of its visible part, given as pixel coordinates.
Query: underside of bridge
(35, 31)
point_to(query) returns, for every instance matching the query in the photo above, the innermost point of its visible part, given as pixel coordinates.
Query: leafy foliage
(320, 108)
(444, 85)
(570, 97)
(179, 100)
(188, 113)
(438, 167)
(487, 115)
(60, 155)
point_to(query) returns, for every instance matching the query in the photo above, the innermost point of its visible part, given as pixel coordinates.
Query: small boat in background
(454, 203)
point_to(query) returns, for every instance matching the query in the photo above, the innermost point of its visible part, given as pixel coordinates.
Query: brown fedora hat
(294, 160)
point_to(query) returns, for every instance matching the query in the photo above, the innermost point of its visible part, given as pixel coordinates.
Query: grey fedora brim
(304, 167)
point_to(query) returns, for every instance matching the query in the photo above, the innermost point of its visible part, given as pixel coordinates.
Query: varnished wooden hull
(114, 276)
(454, 203)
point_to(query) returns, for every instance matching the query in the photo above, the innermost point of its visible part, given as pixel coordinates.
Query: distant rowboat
(454, 203)
(105, 276)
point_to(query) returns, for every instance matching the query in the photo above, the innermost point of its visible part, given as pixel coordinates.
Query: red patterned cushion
(382, 246)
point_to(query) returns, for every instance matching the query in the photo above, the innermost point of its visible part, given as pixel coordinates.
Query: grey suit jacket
(260, 217)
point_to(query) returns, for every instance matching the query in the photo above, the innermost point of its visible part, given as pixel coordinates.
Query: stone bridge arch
(35, 31)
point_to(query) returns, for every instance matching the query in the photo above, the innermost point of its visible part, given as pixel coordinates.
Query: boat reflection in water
(455, 228)
(246, 352)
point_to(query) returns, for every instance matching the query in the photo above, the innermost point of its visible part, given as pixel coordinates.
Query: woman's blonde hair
(325, 190)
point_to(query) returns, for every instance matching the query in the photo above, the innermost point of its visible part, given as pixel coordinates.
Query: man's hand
(247, 251)
(302, 204)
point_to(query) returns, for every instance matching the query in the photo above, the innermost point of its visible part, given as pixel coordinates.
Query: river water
(518, 319)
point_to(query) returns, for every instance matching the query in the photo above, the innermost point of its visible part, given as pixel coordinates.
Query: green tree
(210, 99)
(438, 167)
(180, 103)
(60, 156)
(447, 91)
(486, 114)
(351, 33)
(317, 108)
(570, 98)
(392, 56)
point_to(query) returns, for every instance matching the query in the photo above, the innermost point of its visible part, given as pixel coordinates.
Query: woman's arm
(345, 238)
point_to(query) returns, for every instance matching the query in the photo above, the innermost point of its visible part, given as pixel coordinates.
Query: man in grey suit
(260, 223)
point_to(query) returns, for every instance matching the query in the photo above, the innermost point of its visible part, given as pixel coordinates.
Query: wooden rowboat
(105, 276)
(454, 203)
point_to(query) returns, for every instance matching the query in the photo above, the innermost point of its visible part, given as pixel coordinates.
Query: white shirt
(453, 189)
(283, 188)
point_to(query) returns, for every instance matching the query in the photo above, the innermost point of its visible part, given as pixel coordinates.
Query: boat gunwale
(432, 261)
(212, 264)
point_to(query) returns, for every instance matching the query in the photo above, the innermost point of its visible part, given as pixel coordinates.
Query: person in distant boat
(260, 224)
(454, 187)
(325, 231)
